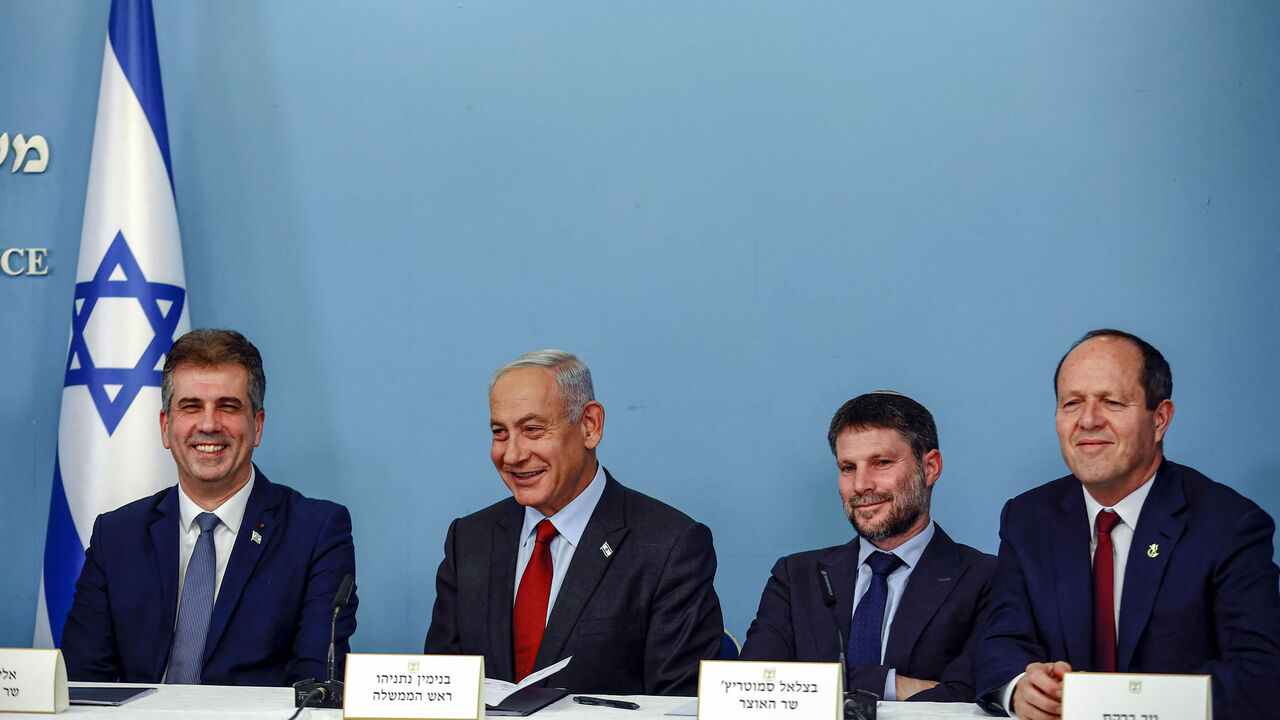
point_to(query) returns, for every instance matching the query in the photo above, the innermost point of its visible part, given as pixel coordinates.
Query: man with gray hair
(574, 563)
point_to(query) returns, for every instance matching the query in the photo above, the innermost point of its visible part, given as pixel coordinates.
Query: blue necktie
(197, 605)
(868, 618)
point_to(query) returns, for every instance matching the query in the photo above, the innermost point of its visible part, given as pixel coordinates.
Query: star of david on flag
(130, 304)
(120, 276)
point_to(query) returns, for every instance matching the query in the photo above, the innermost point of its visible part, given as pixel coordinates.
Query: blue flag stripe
(132, 32)
(63, 557)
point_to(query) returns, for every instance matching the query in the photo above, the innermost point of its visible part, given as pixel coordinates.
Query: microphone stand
(326, 693)
(859, 704)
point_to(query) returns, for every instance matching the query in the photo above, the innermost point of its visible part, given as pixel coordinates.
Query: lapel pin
(1153, 550)
(256, 538)
(608, 551)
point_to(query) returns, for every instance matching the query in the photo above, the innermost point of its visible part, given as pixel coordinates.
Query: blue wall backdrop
(740, 214)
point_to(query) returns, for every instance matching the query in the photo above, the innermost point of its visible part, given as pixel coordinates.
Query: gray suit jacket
(636, 622)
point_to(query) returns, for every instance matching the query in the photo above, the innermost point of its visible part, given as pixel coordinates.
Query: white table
(212, 702)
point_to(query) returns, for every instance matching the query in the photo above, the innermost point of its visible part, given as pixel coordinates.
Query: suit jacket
(636, 622)
(933, 631)
(1199, 594)
(270, 623)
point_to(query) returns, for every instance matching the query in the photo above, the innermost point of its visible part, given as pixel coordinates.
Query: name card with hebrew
(423, 687)
(1130, 696)
(731, 690)
(32, 681)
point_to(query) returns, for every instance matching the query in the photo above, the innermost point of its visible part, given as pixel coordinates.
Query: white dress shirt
(230, 514)
(1128, 509)
(570, 523)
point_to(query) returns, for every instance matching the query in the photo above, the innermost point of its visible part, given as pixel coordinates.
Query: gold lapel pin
(1153, 550)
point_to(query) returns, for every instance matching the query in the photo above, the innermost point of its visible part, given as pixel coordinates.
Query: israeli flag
(129, 305)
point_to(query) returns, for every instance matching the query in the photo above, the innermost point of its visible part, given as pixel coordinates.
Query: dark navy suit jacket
(637, 621)
(270, 624)
(1199, 596)
(937, 622)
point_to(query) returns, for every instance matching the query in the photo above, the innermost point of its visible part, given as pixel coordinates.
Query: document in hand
(504, 698)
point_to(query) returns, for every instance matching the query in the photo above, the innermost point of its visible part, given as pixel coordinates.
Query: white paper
(413, 686)
(495, 691)
(689, 709)
(1086, 696)
(740, 689)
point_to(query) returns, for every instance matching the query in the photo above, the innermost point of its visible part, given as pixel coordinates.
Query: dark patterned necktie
(868, 618)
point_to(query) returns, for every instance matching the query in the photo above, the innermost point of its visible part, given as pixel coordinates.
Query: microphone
(327, 693)
(858, 704)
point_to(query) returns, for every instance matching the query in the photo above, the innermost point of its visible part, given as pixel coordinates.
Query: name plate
(728, 690)
(1127, 696)
(422, 687)
(32, 681)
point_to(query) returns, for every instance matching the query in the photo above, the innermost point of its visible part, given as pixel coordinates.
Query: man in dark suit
(1132, 563)
(227, 578)
(919, 595)
(574, 564)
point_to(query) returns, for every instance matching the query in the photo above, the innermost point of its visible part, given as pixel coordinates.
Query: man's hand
(1038, 694)
(906, 686)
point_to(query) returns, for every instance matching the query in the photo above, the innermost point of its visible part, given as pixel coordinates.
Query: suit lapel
(607, 524)
(842, 568)
(260, 515)
(1067, 535)
(931, 581)
(505, 542)
(165, 523)
(1158, 530)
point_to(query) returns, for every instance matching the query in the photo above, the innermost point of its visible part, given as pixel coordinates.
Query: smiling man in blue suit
(226, 578)
(906, 597)
(1132, 563)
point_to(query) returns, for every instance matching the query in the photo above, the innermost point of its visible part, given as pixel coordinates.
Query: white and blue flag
(129, 305)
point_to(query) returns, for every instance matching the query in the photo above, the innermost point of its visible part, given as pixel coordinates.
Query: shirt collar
(230, 512)
(1128, 509)
(572, 519)
(908, 552)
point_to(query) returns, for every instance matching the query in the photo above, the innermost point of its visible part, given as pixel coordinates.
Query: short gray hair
(573, 378)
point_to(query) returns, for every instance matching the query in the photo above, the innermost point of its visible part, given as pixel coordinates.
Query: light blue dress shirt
(570, 523)
(909, 553)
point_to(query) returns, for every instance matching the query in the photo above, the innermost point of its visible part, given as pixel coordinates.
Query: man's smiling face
(1109, 438)
(544, 460)
(211, 428)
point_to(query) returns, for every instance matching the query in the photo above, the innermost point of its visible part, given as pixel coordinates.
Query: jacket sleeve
(333, 558)
(772, 635)
(685, 625)
(442, 634)
(88, 638)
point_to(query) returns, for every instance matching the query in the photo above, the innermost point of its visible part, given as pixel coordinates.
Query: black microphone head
(344, 592)
(824, 581)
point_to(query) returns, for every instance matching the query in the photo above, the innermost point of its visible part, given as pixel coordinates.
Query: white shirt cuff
(1006, 695)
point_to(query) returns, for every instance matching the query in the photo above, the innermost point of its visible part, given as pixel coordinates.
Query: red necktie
(530, 616)
(1104, 595)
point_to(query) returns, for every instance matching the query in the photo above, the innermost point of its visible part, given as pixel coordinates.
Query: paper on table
(495, 691)
(689, 709)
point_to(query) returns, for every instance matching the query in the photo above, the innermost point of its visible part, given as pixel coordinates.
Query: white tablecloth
(210, 702)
